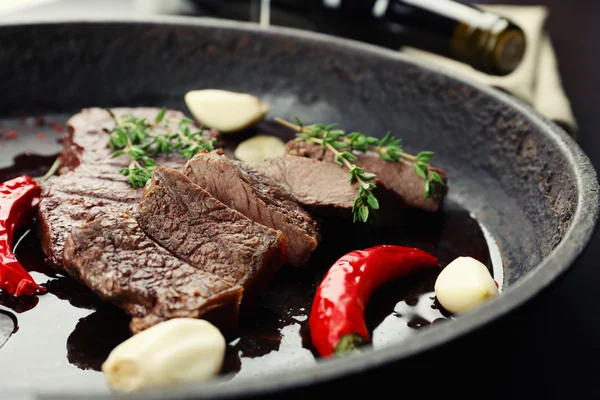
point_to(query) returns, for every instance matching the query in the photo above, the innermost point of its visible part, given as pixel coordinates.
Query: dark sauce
(29, 145)
(27, 164)
(277, 336)
(66, 334)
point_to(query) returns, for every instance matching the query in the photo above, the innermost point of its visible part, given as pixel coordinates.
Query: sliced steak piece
(75, 198)
(86, 141)
(186, 220)
(115, 258)
(90, 183)
(323, 187)
(398, 176)
(258, 198)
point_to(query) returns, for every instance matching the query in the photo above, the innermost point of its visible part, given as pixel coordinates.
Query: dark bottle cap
(494, 45)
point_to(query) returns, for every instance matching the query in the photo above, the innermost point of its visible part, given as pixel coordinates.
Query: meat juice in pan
(69, 332)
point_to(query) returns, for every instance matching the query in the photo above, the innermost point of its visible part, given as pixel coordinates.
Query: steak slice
(323, 187)
(89, 183)
(86, 141)
(258, 198)
(200, 230)
(75, 198)
(397, 176)
(115, 258)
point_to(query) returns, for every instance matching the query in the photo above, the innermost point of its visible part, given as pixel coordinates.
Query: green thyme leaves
(344, 155)
(389, 148)
(160, 116)
(422, 168)
(142, 140)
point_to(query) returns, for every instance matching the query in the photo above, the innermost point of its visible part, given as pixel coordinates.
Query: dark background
(550, 347)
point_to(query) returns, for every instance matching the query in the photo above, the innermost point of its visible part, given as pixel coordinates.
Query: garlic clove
(180, 350)
(464, 284)
(259, 147)
(225, 111)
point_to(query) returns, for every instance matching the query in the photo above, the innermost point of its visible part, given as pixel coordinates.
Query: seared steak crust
(257, 197)
(89, 183)
(115, 258)
(186, 220)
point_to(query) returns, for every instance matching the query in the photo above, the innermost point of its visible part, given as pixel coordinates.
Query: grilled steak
(87, 142)
(90, 183)
(115, 258)
(318, 186)
(75, 198)
(258, 198)
(397, 176)
(186, 220)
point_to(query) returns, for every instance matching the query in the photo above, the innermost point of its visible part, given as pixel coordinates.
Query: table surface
(549, 347)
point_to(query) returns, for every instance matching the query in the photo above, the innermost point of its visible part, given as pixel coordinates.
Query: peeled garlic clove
(464, 284)
(180, 350)
(225, 111)
(259, 147)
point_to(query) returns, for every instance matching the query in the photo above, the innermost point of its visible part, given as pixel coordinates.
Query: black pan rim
(549, 269)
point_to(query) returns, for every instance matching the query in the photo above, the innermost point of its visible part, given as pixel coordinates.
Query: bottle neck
(490, 44)
(485, 41)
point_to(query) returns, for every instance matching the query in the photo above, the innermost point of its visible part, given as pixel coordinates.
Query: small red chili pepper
(18, 199)
(337, 319)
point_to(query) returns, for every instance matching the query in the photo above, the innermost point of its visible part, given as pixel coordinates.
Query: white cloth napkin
(537, 80)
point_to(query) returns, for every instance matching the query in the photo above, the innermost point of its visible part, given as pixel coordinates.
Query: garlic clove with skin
(180, 350)
(224, 110)
(258, 148)
(464, 284)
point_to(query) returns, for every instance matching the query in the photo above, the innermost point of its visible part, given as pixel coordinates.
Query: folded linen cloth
(537, 80)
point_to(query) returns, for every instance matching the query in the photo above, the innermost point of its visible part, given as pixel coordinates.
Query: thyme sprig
(52, 171)
(365, 204)
(389, 148)
(142, 140)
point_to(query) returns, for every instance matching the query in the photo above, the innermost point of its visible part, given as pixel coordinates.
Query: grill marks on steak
(181, 253)
(59, 212)
(89, 183)
(115, 258)
(397, 176)
(186, 220)
(77, 197)
(258, 198)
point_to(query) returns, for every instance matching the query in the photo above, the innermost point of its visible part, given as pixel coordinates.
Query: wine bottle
(463, 32)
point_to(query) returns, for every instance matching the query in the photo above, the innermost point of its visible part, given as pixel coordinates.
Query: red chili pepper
(18, 199)
(337, 319)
